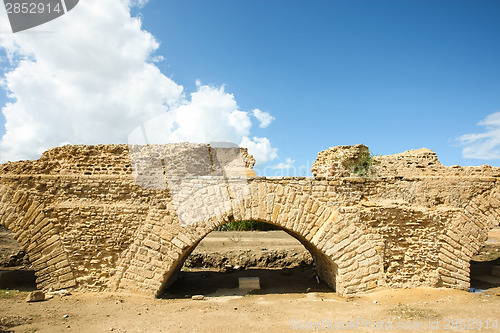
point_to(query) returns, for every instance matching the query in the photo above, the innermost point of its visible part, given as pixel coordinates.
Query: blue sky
(394, 75)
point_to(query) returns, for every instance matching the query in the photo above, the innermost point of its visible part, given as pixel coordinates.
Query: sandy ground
(237, 240)
(290, 300)
(413, 309)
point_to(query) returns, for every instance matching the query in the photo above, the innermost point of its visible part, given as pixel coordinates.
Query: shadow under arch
(16, 270)
(326, 269)
(465, 238)
(485, 269)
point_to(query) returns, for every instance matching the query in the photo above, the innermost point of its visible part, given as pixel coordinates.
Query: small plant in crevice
(362, 166)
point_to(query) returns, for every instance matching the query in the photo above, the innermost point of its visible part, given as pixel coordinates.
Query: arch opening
(16, 271)
(282, 260)
(485, 265)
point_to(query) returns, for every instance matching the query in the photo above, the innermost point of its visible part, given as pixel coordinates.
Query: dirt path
(253, 313)
(253, 240)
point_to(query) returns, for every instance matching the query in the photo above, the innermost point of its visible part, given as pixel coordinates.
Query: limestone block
(249, 283)
(35, 296)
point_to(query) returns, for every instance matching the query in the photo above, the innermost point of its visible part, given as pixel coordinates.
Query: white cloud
(138, 3)
(260, 148)
(87, 81)
(89, 77)
(288, 164)
(483, 145)
(158, 58)
(212, 115)
(264, 118)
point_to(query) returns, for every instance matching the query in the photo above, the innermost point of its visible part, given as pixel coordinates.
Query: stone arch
(327, 268)
(27, 219)
(465, 236)
(344, 254)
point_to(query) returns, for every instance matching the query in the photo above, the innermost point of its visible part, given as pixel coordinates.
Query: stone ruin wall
(78, 208)
(86, 224)
(432, 218)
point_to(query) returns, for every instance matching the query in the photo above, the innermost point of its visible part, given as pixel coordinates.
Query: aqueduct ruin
(114, 217)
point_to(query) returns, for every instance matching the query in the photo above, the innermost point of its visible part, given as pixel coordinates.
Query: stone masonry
(114, 217)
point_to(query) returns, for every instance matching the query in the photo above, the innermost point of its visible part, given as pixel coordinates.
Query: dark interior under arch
(16, 271)
(485, 266)
(281, 259)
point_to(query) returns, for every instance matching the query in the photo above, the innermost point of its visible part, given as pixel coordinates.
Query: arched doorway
(271, 256)
(16, 271)
(324, 267)
(485, 266)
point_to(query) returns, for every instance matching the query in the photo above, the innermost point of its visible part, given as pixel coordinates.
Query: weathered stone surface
(198, 297)
(36, 296)
(116, 217)
(338, 161)
(249, 283)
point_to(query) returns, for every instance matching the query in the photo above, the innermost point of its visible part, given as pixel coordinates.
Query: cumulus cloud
(88, 80)
(211, 115)
(260, 148)
(484, 145)
(89, 77)
(288, 164)
(264, 118)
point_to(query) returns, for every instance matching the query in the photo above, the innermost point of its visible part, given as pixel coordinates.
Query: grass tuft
(247, 226)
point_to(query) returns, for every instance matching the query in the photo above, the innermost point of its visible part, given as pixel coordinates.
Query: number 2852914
(32, 8)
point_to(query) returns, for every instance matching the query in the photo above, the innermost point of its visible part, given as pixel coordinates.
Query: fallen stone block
(249, 283)
(198, 298)
(36, 296)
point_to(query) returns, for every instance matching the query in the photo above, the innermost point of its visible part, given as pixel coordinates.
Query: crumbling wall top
(118, 159)
(342, 161)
